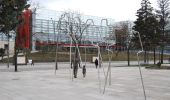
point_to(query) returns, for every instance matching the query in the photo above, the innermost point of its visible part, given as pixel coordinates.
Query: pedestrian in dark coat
(32, 63)
(84, 71)
(96, 63)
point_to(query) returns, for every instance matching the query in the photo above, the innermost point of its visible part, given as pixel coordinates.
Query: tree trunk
(76, 62)
(145, 57)
(8, 50)
(162, 52)
(159, 56)
(154, 56)
(148, 57)
(15, 56)
(128, 56)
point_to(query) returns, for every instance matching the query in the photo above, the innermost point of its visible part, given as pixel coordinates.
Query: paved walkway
(39, 82)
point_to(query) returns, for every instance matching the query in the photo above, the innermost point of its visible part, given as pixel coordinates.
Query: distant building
(43, 30)
(4, 42)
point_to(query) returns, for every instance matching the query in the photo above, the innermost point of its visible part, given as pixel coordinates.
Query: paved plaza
(39, 82)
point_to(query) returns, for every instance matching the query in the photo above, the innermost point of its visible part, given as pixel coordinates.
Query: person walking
(84, 71)
(32, 63)
(96, 63)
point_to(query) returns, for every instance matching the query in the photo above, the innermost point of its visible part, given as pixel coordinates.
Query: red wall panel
(23, 39)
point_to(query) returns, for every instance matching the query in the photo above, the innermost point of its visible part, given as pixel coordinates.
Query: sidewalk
(45, 85)
(61, 65)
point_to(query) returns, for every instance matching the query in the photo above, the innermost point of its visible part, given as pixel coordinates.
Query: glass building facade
(45, 23)
(44, 28)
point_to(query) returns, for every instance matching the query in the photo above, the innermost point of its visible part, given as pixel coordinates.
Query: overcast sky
(119, 10)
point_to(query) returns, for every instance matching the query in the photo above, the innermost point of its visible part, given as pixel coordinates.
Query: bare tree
(121, 33)
(72, 24)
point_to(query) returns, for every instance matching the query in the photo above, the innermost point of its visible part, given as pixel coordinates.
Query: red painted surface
(23, 39)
